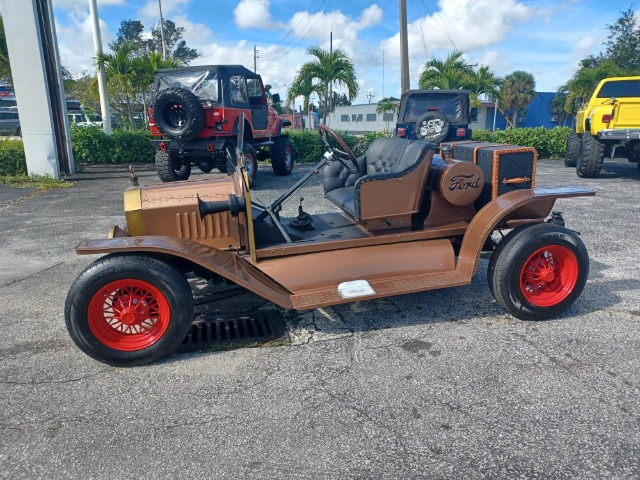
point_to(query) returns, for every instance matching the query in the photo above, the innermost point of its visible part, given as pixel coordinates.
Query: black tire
(574, 147)
(171, 168)
(516, 275)
(251, 163)
(436, 131)
(590, 161)
(19, 132)
(178, 114)
(130, 335)
(206, 165)
(282, 155)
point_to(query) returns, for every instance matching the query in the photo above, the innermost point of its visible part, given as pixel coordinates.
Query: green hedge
(12, 159)
(91, 144)
(550, 143)
(308, 147)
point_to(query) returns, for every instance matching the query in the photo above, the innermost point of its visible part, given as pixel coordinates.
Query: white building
(358, 119)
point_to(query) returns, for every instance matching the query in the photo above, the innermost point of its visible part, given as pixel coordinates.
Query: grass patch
(40, 182)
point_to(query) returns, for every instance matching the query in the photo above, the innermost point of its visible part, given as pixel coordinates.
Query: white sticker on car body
(355, 288)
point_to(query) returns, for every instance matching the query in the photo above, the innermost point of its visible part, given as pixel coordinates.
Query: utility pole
(255, 58)
(164, 45)
(404, 48)
(102, 79)
(370, 96)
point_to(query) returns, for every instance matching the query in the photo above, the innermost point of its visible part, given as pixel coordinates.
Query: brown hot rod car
(408, 221)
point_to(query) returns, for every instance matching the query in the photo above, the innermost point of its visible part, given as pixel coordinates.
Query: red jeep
(196, 114)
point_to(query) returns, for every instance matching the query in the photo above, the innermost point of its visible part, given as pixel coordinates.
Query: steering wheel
(345, 155)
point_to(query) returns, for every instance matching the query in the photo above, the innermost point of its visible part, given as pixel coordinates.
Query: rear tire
(590, 161)
(129, 309)
(19, 132)
(574, 146)
(282, 156)
(170, 168)
(539, 272)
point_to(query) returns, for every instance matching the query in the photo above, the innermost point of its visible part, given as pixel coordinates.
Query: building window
(554, 117)
(387, 117)
(344, 118)
(371, 117)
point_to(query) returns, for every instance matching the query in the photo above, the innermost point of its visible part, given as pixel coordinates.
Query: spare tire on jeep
(432, 127)
(178, 114)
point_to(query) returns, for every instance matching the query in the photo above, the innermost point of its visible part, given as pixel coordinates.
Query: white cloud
(151, 11)
(75, 42)
(84, 5)
(254, 14)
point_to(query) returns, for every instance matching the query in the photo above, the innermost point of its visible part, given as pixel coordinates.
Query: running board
(382, 288)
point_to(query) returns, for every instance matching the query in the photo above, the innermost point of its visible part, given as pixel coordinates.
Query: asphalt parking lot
(440, 384)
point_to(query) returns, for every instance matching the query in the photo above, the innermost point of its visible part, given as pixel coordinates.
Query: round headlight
(209, 103)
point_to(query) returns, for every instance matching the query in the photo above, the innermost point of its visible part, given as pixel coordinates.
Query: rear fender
(518, 206)
(230, 265)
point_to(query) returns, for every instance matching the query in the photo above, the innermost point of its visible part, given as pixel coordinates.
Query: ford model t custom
(406, 221)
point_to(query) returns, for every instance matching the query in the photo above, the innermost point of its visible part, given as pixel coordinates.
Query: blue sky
(547, 38)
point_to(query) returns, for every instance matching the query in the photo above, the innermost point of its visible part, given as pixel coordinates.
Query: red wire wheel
(549, 276)
(128, 315)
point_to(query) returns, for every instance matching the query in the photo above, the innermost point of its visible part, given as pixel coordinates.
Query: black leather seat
(386, 158)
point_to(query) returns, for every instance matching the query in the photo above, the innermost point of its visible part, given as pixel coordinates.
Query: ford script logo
(463, 182)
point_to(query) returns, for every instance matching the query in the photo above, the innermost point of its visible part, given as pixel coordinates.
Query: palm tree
(302, 87)
(386, 105)
(517, 91)
(330, 67)
(583, 83)
(451, 74)
(144, 66)
(121, 73)
(483, 82)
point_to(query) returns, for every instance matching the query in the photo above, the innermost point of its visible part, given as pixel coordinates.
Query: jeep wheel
(170, 168)
(282, 156)
(178, 114)
(590, 161)
(539, 272)
(129, 309)
(250, 163)
(432, 127)
(574, 145)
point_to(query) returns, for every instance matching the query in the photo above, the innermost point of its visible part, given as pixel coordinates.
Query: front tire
(170, 168)
(251, 163)
(282, 156)
(590, 161)
(574, 147)
(539, 272)
(129, 309)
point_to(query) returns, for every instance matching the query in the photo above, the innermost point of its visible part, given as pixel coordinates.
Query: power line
(291, 30)
(440, 23)
(304, 35)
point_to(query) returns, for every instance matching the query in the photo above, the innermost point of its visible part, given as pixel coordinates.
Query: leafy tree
(304, 87)
(623, 46)
(517, 91)
(130, 32)
(176, 46)
(330, 67)
(386, 105)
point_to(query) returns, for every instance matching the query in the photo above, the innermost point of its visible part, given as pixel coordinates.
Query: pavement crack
(57, 382)
(18, 280)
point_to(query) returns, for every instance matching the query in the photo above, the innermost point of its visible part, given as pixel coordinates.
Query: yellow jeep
(606, 126)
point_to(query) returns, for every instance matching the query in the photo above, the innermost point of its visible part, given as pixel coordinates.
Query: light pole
(164, 45)
(102, 80)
